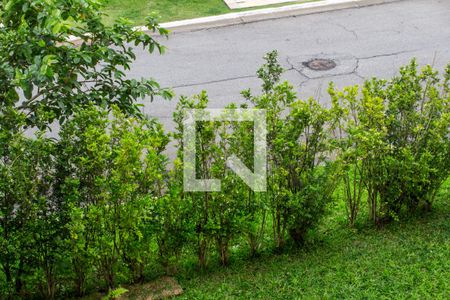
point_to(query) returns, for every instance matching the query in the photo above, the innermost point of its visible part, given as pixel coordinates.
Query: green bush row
(98, 206)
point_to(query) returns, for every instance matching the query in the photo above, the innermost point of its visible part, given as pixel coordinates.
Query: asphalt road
(364, 42)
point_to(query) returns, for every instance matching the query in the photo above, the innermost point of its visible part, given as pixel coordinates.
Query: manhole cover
(320, 64)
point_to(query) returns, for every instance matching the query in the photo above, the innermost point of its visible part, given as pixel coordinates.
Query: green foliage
(113, 177)
(99, 206)
(115, 294)
(215, 216)
(84, 203)
(394, 142)
(57, 58)
(300, 175)
(31, 221)
(56, 75)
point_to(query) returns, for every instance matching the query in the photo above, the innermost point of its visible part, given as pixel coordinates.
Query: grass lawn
(168, 10)
(400, 261)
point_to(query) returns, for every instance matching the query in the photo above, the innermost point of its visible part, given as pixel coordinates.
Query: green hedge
(99, 206)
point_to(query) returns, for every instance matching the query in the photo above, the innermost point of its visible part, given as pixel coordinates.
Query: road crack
(385, 54)
(353, 32)
(213, 81)
(299, 71)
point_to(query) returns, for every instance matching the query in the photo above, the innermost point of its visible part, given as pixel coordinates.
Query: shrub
(253, 218)
(112, 178)
(31, 217)
(216, 216)
(394, 141)
(300, 183)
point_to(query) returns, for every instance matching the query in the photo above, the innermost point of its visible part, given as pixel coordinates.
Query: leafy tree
(60, 55)
(55, 57)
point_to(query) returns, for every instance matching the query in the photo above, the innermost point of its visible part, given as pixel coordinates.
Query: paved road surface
(365, 42)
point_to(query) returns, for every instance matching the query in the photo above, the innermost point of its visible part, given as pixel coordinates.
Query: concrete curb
(266, 14)
(261, 14)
